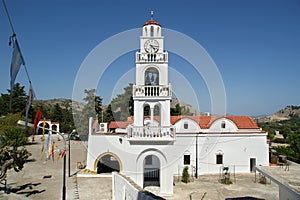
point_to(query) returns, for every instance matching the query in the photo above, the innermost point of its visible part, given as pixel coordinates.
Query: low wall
(124, 188)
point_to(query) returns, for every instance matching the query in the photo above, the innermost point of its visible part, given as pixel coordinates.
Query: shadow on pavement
(26, 189)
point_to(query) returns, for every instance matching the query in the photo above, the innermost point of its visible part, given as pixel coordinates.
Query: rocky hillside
(186, 106)
(283, 114)
(67, 103)
(63, 103)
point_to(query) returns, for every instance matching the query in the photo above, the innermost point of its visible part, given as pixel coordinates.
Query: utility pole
(196, 173)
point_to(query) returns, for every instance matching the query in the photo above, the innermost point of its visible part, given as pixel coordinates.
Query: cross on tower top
(151, 14)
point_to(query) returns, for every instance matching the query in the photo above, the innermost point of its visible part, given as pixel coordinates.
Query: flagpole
(7, 14)
(13, 39)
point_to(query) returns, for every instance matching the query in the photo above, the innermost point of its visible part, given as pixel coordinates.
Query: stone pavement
(42, 179)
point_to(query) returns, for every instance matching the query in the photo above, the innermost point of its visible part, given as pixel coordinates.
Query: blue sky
(255, 45)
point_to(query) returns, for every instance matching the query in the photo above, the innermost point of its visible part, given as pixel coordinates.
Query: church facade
(152, 149)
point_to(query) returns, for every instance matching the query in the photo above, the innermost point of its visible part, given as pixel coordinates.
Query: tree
(12, 152)
(12, 158)
(294, 141)
(107, 115)
(19, 99)
(122, 105)
(176, 111)
(92, 108)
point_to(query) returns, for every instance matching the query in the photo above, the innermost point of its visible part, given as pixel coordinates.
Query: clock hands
(154, 47)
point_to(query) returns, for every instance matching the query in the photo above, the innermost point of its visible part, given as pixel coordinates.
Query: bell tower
(152, 91)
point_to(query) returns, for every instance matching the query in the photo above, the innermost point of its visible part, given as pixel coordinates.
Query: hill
(67, 103)
(63, 103)
(284, 114)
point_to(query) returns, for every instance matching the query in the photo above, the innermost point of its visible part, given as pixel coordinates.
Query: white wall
(237, 149)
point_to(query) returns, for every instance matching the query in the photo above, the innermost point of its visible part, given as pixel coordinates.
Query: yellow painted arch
(110, 154)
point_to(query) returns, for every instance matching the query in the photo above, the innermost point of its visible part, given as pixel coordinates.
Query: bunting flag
(47, 142)
(52, 151)
(43, 130)
(16, 61)
(62, 153)
(38, 116)
(30, 98)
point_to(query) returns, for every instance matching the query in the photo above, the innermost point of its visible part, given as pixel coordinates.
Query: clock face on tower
(151, 46)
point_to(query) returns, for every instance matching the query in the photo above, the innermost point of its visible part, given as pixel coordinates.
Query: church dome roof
(151, 22)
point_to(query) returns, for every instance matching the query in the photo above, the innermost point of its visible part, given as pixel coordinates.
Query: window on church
(151, 76)
(187, 159)
(219, 158)
(148, 160)
(223, 124)
(185, 125)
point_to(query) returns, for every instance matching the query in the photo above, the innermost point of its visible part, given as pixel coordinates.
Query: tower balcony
(151, 57)
(151, 133)
(152, 91)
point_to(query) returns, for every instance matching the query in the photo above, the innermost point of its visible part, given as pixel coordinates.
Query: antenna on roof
(151, 14)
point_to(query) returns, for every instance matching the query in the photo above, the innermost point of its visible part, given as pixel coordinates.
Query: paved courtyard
(42, 179)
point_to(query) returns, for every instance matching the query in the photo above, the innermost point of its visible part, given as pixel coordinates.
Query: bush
(13, 137)
(279, 140)
(185, 175)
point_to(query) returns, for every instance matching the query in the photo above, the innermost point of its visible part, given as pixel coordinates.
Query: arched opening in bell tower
(151, 31)
(152, 114)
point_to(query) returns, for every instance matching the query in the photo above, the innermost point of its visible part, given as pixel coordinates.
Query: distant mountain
(283, 114)
(186, 106)
(67, 103)
(63, 103)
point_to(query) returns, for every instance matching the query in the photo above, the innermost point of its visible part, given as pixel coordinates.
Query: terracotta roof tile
(151, 22)
(118, 124)
(242, 122)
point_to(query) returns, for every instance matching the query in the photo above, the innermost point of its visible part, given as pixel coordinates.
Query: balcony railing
(152, 91)
(151, 57)
(144, 133)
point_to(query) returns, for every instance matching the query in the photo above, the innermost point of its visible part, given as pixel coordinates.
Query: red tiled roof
(151, 22)
(242, 122)
(118, 124)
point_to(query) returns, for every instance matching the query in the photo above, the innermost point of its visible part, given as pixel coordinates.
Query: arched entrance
(40, 130)
(151, 171)
(107, 162)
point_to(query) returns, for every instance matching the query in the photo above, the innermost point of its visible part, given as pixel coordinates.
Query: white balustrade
(151, 132)
(151, 57)
(152, 91)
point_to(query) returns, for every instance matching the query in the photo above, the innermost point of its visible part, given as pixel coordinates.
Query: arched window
(223, 124)
(146, 110)
(151, 76)
(186, 125)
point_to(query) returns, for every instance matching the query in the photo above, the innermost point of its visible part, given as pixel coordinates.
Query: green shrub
(185, 175)
(13, 137)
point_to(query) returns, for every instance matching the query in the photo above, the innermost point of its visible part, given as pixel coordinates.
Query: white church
(154, 149)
